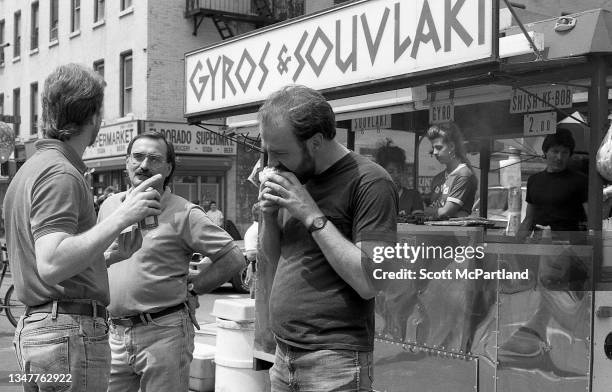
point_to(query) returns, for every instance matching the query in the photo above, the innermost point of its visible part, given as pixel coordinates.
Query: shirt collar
(65, 149)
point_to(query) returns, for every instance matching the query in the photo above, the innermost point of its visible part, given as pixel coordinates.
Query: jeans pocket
(46, 356)
(171, 320)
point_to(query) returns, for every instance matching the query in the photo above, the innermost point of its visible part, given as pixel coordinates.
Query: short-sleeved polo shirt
(49, 194)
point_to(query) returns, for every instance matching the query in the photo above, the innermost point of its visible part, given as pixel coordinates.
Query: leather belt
(83, 308)
(142, 318)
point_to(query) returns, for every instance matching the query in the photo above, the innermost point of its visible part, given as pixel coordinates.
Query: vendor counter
(520, 322)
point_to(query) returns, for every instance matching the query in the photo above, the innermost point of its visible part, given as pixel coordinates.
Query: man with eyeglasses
(151, 334)
(56, 248)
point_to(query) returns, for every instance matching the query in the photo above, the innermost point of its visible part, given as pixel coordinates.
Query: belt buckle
(122, 321)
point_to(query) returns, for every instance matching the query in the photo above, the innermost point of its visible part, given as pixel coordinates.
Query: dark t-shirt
(557, 199)
(311, 306)
(49, 194)
(410, 200)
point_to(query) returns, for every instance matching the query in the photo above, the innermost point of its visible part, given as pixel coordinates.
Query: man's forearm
(220, 271)
(345, 258)
(74, 254)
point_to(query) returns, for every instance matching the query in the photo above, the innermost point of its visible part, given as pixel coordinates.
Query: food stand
(409, 60)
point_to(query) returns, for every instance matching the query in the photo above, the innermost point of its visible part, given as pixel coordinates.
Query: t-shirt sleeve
(376, 209)
(55, 205)
(204, 237)
(462, 190)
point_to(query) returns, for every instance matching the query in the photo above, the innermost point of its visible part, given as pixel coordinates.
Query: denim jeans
(70, 348)
(153, 357)
(298, 370)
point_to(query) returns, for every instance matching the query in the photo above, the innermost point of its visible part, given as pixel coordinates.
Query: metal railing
(281, 9)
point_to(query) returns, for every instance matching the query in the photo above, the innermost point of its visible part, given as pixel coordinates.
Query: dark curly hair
(387, 153)
(563, 137)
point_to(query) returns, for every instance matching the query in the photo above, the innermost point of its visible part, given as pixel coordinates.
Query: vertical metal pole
(485, 165)
(417, 145)
(598, 113)
(350, 137)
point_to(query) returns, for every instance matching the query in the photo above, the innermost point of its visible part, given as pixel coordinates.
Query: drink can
(148, 223)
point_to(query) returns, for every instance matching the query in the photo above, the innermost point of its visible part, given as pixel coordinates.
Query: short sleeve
(376, 209)
(462, 190)
(204, 237)
(55, 205)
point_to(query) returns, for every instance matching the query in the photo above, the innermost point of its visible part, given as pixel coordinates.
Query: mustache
(143, 173)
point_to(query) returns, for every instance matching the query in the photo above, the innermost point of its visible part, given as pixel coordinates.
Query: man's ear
(316, 141)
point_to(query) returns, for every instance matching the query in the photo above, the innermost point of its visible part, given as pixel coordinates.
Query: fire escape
(257, 12)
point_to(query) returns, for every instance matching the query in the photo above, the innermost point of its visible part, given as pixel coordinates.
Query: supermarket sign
(351, 44)
(189, 139)
(112, 140)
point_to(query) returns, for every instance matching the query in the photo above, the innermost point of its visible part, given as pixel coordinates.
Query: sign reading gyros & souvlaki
(348, 45)
(189, 139)
(112, 140)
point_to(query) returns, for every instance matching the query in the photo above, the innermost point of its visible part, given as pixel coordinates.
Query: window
(34, 108)
(75, 16)
(16, 110)
(126, 83)
(2, 42)
(125, 4)
(17, 35)
(1, 103)
(53, 20)
(98, 10)
(98, 66)
(34, 27)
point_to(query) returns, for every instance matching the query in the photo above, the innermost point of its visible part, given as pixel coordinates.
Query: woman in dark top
(393, 160)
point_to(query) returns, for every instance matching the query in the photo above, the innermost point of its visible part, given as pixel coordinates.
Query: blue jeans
(70, 348)
(298, 370)
(152, 357)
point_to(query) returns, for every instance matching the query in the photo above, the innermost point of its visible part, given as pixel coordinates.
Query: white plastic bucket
(234, 358)
(235, 341)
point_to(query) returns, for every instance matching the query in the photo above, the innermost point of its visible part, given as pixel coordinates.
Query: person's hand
(198, 267)
(288, 192)
(266, 206)
(140, 202)
(124, 246)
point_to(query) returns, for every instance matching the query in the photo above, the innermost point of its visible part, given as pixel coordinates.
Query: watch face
(318, 223)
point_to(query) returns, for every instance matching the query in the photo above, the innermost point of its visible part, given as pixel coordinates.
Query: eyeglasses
(154, 159)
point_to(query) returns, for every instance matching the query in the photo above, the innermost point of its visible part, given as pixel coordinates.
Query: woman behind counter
(454, 189)
(393, 160)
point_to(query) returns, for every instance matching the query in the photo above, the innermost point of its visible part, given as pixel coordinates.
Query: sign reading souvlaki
(347, 45)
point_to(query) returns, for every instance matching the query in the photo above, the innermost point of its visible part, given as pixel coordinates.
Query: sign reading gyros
(348, 45)
(189, 139)
(112, 140)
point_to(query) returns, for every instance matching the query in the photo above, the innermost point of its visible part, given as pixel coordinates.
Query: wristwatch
(190, 290)
(317, 224)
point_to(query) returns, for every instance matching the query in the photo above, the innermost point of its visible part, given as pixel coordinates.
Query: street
(9, 365)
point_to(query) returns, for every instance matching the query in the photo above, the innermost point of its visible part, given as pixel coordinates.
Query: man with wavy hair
(56, 249)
